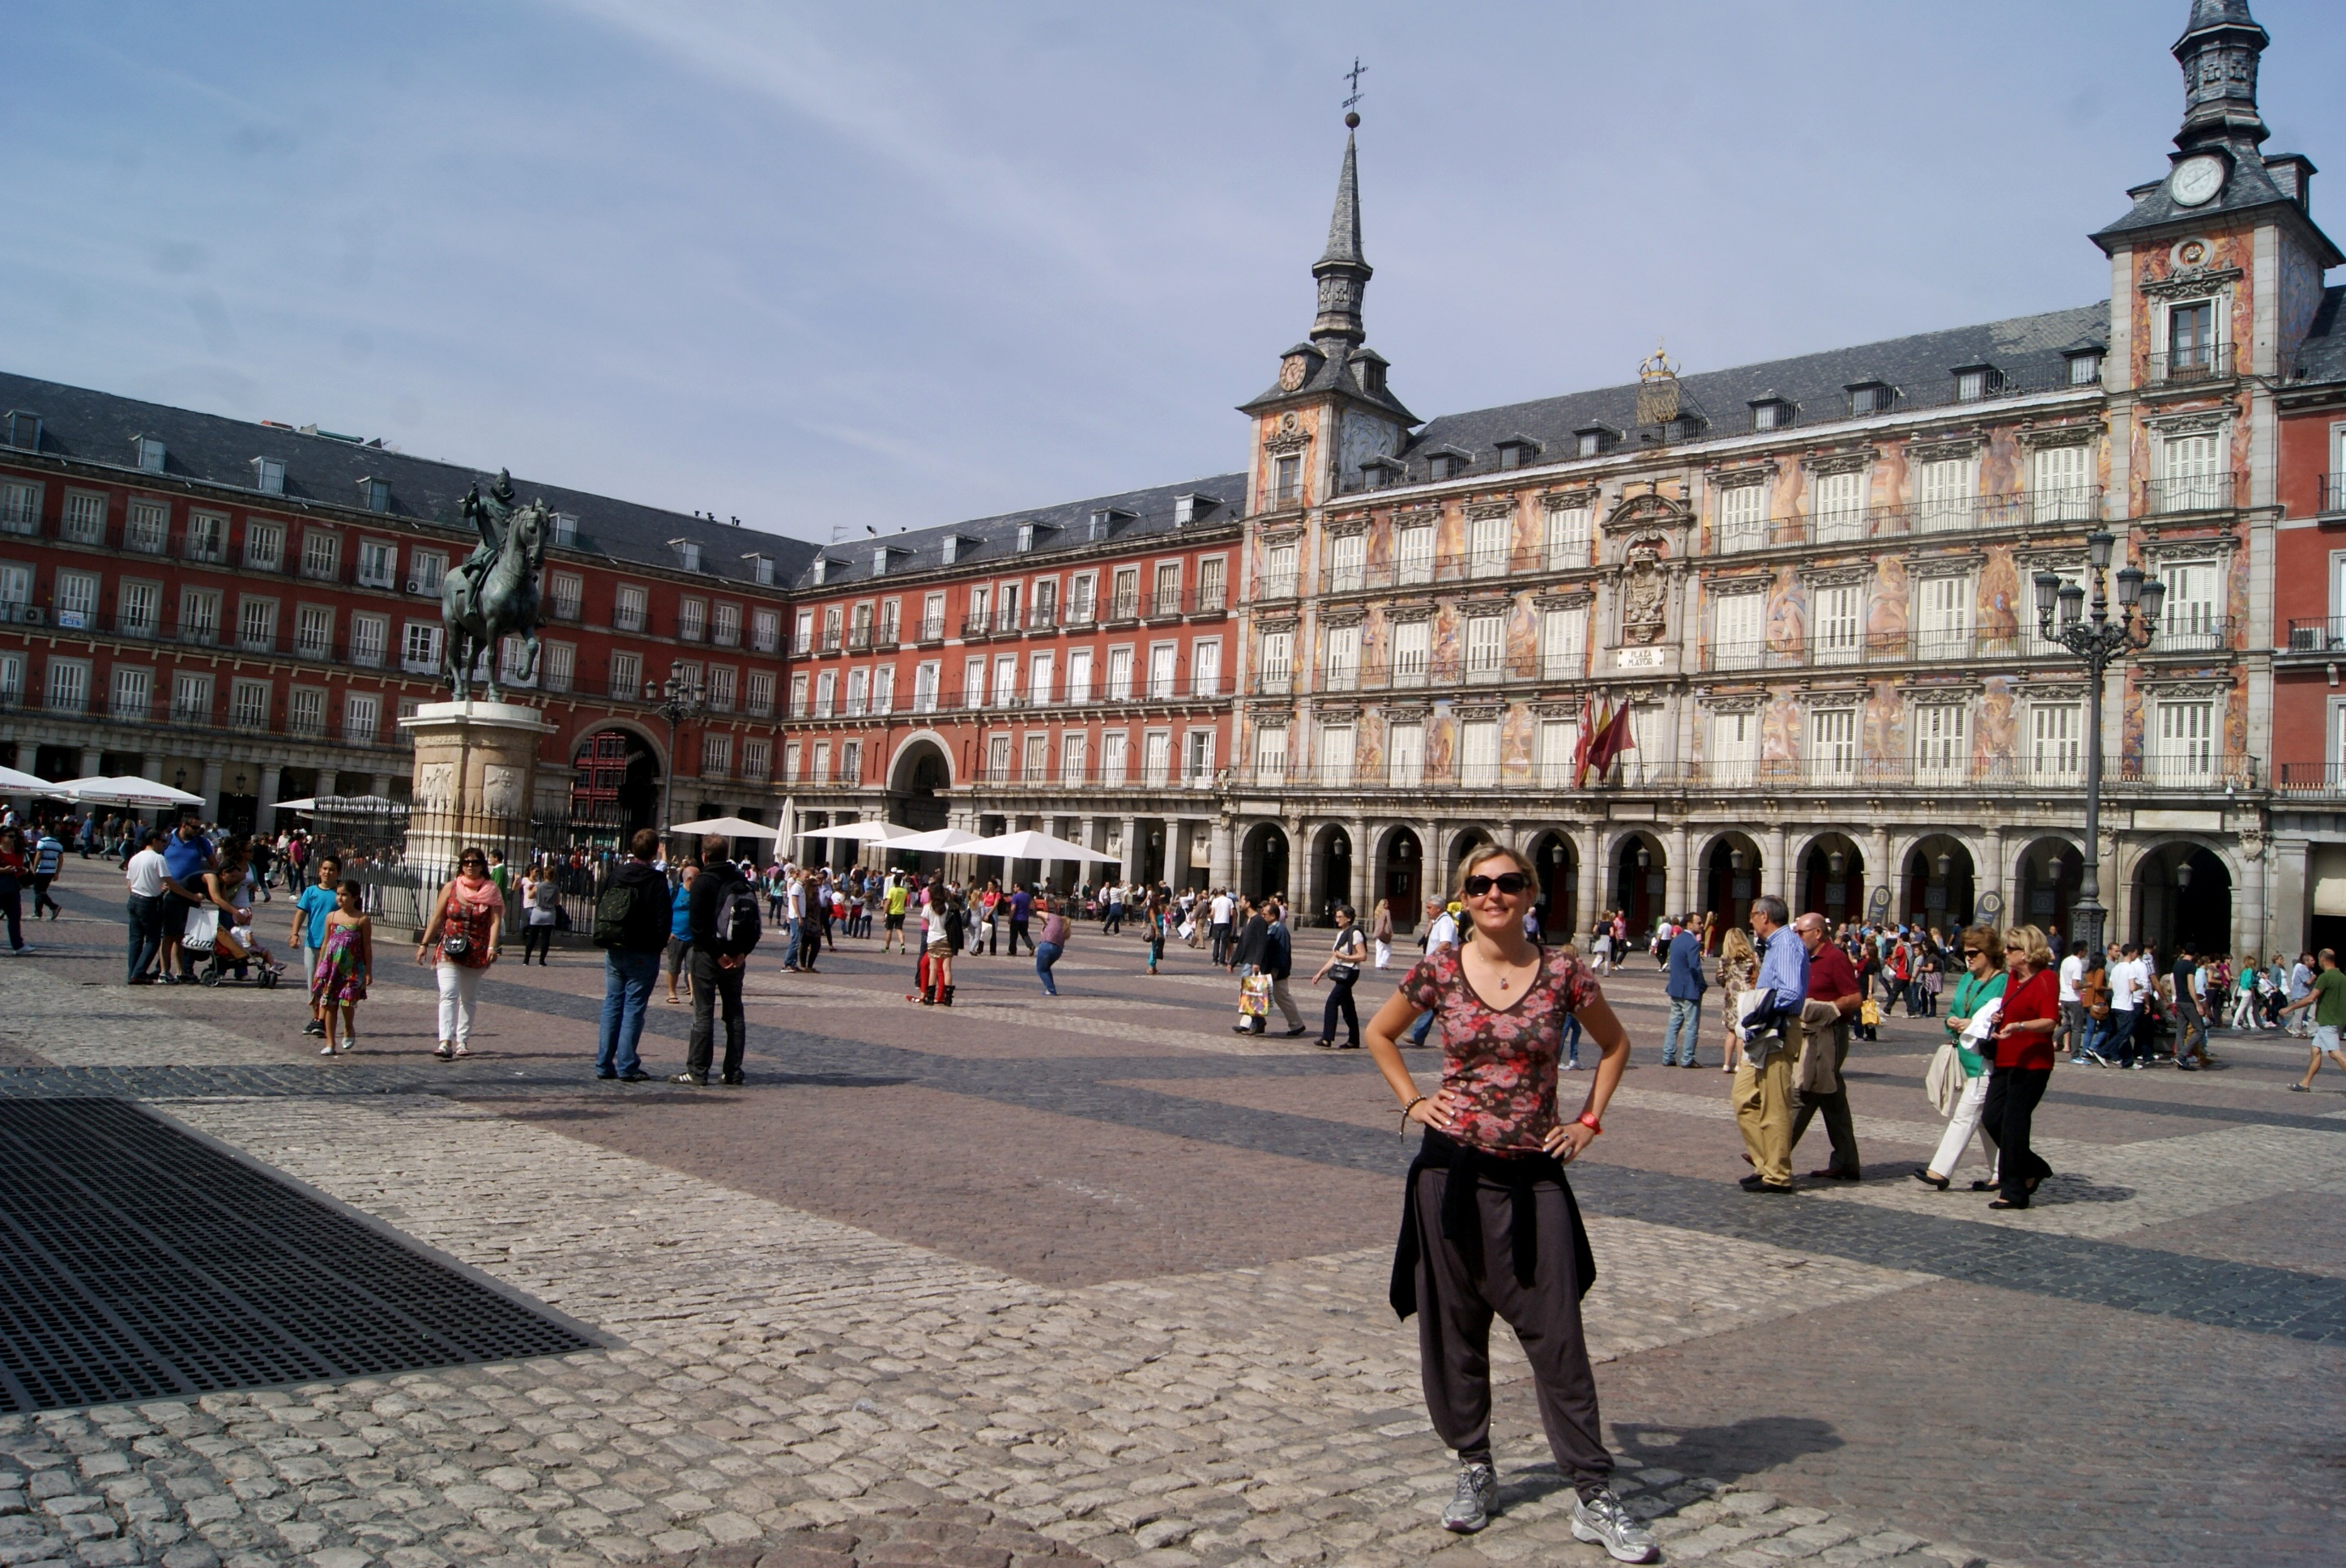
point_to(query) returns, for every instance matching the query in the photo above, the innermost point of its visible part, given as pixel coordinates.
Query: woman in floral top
(1489, 1225)
(460, 943)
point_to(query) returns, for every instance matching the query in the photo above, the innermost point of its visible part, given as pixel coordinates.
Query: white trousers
(460, 990)
(1960, 1128)
(1385, 953)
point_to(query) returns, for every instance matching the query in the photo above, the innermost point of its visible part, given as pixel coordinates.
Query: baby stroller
(201, 939)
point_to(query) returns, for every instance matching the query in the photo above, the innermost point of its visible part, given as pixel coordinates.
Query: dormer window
(374, 494)
(23, 430)
(761, 569)
(1025, 538)
(2085, 367)
(952, 549)
(1188, 509)
(821, 570)
(1447, 462)
(268, 477)
(1868, 397)
(150, 452)
(1769, 412)
(1974, 382)
(1594, 440)
(566, 528)
(1379, 471)
(1517, 451)
(687, 553)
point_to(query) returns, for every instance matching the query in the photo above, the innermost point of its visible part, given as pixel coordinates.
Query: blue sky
(824, 267)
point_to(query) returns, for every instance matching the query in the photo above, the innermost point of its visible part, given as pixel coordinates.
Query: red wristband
(1588, 1119)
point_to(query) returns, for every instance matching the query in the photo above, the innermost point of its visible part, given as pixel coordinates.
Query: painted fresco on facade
(1441, 742)
(1780, 738)
(1522, 641)
(1885, 610)
(1999, 598)
(1997, 735)
(1788, 614)
(1516, 733)
(1445, 662)
(1883, 724)
(1369, 747)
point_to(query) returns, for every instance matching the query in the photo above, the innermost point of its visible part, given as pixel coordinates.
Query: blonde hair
(1736, 947)
(1483, 852)
(2030, 941)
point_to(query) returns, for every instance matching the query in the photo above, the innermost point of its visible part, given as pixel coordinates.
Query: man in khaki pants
(1771, 1045)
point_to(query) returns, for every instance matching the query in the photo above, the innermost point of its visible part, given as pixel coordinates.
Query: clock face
(2196, 179)
(1291, 373)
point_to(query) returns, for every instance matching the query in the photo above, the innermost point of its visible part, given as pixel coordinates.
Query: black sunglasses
(1508, 882)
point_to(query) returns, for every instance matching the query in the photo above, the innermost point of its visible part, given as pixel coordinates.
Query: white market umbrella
(125, 789)
(864, 831)
(729, 827)
(1030, 845)
(938, 842)
(14, 783)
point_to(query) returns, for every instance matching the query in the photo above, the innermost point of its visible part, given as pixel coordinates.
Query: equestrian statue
(494, 594)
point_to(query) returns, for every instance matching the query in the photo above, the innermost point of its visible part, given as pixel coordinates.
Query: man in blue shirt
(310, 912)
(1771, 1045)
(187, 854)
(48, 859)
(1685, 988)
(1022, 908)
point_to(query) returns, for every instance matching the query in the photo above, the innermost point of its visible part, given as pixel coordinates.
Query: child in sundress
(345, 964)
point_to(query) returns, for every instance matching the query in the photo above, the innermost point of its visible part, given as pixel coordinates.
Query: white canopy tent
(1030, 845)
(123, 790)
(938, 842)
(14, 783)
(730, 827)
(882, 832)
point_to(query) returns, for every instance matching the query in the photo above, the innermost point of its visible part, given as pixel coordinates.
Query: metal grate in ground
(139, 1262)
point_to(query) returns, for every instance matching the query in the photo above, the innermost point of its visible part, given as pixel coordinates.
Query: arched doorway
(1640, 872)
(1463, 847)
(1731, 880)
(1559, 875)
(1400, 878)
(1833, 879)
(2047, 881)
(1262, 861)
(614, 786)
(1939, 883)
(917, 782)
(1334, 872)
(2183, 892)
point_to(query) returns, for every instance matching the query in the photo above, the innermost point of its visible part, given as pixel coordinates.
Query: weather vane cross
(1353, 77)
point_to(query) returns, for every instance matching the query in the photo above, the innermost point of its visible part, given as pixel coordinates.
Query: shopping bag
(1254, 996)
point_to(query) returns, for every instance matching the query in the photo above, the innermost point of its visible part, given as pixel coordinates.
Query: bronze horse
(494, 594)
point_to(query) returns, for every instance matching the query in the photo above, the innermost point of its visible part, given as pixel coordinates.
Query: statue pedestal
(476, 774)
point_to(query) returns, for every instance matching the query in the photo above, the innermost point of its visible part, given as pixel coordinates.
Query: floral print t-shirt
(1499, 1063)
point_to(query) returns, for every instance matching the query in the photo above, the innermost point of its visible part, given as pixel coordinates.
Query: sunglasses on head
(1508, 882)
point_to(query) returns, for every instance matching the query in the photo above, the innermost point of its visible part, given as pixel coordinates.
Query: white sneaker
(1476, 1499)
(1601, 1519)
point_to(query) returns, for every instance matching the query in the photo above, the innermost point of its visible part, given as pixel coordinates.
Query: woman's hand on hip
(1438, 1110)
(1567, 1140)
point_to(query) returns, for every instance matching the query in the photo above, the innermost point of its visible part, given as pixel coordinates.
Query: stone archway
(1732, 868)
(1640, 870)
(2045, 880)
(2182, 894)
(1938, 882)
(1331, 879)
(615, 785)
(1262, 861)
(1833, 879)
(1400, 877)
(918, 776)
(1559, 871)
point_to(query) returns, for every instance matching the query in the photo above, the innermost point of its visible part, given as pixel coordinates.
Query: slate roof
(2026, 350)
(211, 449)
(2322, 356)
(2250, 189)
(1131, 514)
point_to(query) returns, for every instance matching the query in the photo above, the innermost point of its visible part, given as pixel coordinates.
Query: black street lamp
(676, 699)
(2062, 616)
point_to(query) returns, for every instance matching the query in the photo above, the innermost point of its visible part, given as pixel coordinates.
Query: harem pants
(1457, 1298)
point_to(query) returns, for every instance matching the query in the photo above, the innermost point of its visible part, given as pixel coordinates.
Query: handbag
(1868, 1014)
(1254, 996)
(202, 929)
(1943, 1081)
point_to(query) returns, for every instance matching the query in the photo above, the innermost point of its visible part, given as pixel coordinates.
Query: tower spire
(2218, 53)
(1342, 271)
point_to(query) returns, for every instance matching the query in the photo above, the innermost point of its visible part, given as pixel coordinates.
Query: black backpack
(742, 926)
(630, 918)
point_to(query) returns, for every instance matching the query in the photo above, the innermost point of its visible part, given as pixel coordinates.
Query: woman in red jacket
(2023, 1061)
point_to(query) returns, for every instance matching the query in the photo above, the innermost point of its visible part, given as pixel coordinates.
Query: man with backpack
(723, 915)
(631, 927)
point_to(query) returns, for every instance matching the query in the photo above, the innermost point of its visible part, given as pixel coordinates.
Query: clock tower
(1328, 424)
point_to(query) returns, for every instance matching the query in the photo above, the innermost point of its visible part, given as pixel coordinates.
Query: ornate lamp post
(676, 699)
(2097, 638)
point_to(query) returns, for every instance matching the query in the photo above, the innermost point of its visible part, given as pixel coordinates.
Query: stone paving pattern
(982, 1289)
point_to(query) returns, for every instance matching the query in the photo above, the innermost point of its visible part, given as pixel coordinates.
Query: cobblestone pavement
(983, 1287)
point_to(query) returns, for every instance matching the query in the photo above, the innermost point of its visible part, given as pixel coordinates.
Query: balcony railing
(975, 627)
(2177, 635)
(2312, 779)
(830, 641)
(2201, 773)
(2189, 492)
(220, 713)
(859, 639)
(932, 630)
(1092, 773)
(1179, 688)
(1124, 607)
(2206, 362)
(2333, 492)
(2318, 636)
